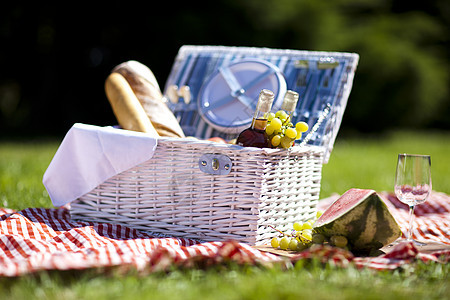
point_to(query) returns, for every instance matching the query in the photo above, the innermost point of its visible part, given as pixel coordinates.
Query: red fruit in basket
(217, 140)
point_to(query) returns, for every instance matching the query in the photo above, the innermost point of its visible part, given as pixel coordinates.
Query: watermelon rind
(367, 224)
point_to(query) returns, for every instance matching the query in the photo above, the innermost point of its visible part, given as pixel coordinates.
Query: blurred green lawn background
(370, 162)
(355, 162)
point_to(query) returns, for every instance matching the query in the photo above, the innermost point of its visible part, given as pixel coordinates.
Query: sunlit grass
(22, 166)
(367, 162)
(232, 282)
(370, 162)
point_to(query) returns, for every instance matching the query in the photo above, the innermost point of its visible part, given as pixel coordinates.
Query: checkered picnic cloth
(37, 239)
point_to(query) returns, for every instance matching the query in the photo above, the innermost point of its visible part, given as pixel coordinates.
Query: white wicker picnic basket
(193, 188)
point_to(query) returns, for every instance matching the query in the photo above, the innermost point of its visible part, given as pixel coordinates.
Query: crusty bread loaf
(126, 107)
(146, 88)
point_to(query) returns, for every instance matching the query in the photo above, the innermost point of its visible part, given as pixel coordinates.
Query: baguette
(147, 91)
(126, 106)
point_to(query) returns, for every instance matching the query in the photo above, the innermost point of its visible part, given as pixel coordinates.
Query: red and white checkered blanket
(37, 239)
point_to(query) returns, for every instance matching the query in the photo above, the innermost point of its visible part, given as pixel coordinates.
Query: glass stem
(411, 219)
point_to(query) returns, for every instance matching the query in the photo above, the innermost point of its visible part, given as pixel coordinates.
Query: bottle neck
(289, 114)
(259, 121)
(263, 107)
(259, 124)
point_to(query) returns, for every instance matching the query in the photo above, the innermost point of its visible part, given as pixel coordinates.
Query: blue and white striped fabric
(320, 78)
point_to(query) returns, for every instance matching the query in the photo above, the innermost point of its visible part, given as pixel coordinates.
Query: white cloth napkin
(89, 155)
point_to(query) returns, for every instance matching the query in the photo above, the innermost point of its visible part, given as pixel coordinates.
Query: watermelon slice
(363, 218)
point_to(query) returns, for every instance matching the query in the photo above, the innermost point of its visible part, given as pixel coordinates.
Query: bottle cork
(290, 101)
(265, 101)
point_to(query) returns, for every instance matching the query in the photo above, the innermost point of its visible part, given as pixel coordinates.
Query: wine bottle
(280, 128)
(255, 135)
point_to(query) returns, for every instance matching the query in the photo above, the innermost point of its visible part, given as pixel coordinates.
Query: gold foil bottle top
(265, 101)
(290, 101)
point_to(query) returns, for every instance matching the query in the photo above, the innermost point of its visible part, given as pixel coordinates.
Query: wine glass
(413, 184)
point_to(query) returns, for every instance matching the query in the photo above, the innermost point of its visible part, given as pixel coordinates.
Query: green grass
(313, 282)
(363, 163)
(22, 166)
(371, 162)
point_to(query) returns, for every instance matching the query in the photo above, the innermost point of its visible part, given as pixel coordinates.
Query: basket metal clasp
(216, 164)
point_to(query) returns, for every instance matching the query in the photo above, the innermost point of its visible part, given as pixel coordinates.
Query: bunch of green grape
(282, 133)
(304, 236)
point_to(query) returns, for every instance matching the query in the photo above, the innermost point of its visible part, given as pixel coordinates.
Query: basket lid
(224, 83)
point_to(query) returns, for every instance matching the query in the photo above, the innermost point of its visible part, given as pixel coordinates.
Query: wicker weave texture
(170, 195)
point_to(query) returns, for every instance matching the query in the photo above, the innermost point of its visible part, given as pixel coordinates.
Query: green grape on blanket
(304, 236)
